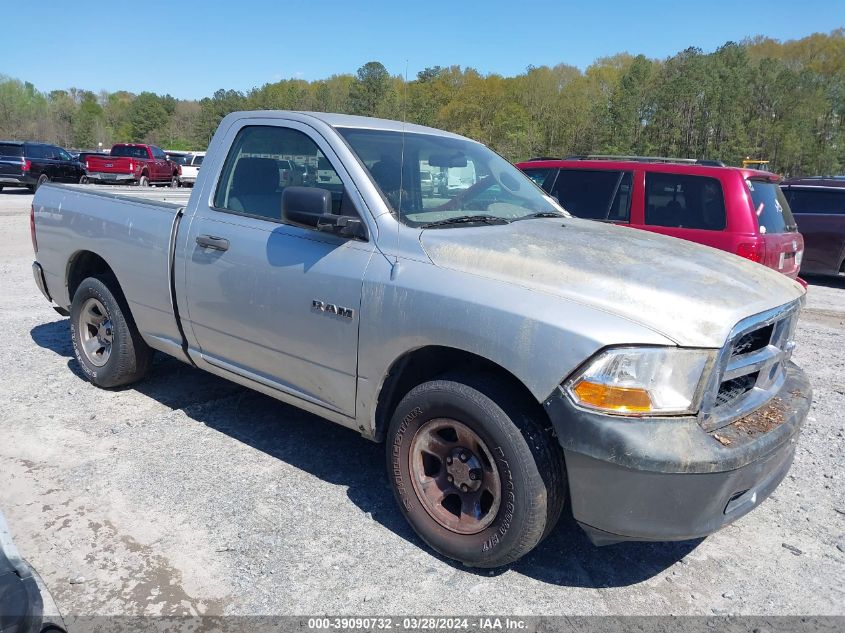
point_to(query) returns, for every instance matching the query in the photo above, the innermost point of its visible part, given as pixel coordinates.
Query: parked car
(818, 204)
(509, 355)
(741, 211)
(26, 605)
(191, 167)
(134, 164)
(29, 164)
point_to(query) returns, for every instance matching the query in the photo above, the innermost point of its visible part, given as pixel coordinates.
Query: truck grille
(751, 367)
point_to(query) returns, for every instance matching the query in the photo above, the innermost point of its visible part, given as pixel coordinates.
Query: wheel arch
(84, 264)
(426, 363)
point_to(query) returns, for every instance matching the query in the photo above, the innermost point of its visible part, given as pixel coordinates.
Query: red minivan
(742, 211)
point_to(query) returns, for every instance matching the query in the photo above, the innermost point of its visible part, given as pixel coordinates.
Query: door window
(594, 194)
(816, 201)
(261, 165)
(36, 151)
(689, 202)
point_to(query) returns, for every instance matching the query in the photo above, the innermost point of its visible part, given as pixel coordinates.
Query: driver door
(257, 287)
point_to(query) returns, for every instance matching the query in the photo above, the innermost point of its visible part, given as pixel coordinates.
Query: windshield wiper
(542, 214)
(467, 219)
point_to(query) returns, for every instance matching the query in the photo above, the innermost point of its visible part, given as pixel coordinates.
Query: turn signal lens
(642, 380)
(611, 398)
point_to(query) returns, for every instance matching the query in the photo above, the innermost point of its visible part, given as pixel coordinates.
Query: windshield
(179, 159)
(773, 212)
(198, 160)
(469, 179)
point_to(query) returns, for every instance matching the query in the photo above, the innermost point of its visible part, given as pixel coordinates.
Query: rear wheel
(473, 470)
(143, 181)
(106, 341)
(43, 178)
(83, 179)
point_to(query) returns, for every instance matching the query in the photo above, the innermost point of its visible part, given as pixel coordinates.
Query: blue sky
(190, 48)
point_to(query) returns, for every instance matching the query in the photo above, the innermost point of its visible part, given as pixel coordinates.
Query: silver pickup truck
(510, 356)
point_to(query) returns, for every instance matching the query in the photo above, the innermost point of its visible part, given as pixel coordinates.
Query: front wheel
(174, 182)
(106, 341)
(83, 179)
(474, 471)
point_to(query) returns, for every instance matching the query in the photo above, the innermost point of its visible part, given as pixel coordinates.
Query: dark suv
(30, 165)
(818, 205)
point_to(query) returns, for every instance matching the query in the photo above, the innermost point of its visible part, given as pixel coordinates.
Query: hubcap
(95, 332)
(455, 476)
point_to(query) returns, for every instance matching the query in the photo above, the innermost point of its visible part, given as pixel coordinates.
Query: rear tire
(143, 181)
(83, 179)
(473, 470)
(42, 179)
(106, 341)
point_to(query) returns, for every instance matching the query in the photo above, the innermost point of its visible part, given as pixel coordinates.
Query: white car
(190, 168)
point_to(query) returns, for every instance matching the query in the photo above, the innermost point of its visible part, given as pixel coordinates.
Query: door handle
(215, 243)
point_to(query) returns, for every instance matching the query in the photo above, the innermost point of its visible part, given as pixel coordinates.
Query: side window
(592, 194)
(539, 175)
(817, 201)
(36, 151)
(158, 154)
(690, 202)
(620, 208)
(62, 154)
(263, 161)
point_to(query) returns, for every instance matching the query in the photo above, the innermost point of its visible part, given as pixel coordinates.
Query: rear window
(197, 160)
(594, 194)
(8, 149)
(827, 202)
(688, 202)
(128, 151)
(773, 212)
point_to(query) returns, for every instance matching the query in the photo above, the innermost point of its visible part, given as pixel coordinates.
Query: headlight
(642, 380)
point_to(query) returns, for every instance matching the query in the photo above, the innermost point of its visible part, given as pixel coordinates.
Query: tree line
(760, 98)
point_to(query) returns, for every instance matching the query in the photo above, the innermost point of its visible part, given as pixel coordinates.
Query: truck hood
(690, 293)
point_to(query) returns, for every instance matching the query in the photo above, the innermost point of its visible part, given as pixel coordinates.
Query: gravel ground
(187, 494)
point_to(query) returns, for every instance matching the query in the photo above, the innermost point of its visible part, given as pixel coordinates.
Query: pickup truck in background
(510, 356)
(133, 164)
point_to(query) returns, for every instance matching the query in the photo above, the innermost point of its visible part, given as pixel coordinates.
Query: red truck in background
(133, 164)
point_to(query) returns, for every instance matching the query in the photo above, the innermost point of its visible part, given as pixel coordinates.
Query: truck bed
(130, 228)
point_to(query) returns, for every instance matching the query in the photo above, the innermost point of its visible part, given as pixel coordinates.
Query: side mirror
(312, 207)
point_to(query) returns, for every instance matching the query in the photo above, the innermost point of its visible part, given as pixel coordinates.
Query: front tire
(106, 341)
(474, 471)
(174, 182)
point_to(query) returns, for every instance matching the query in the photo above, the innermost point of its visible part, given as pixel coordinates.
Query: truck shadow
(340, 456)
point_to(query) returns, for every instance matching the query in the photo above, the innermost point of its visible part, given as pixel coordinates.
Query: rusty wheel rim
(455, 476)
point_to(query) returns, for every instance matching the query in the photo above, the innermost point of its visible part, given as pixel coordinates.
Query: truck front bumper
(104, 177)
(667, 479)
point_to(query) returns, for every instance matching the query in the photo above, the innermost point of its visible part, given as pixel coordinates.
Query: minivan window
(538, 174)
(681, 201)
(8, 149)
(771, 207)
(253, 179)
(590, 193)
(827, 202)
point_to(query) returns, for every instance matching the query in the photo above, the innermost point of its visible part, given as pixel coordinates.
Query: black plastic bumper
(665, 479)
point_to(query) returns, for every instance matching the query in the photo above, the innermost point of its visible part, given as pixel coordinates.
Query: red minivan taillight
(32, 228)
(755, 251)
